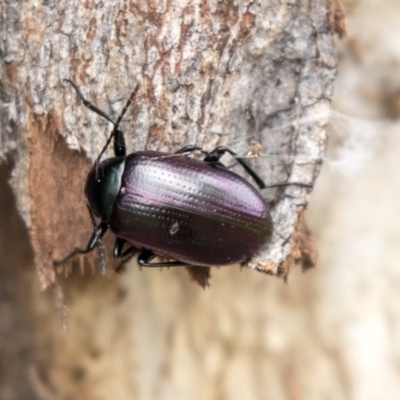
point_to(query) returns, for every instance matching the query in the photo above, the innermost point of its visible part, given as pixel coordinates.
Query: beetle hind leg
(147, 255)
(190, 148)
(214, 157)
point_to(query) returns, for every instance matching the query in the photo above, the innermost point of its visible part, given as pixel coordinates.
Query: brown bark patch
(337, 17)
(200, 275)
(11, 73)
(59, 219)
(304, 251)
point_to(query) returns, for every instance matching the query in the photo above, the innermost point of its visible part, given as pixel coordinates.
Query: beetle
(193, 212)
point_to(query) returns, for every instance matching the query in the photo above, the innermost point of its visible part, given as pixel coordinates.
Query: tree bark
(210, 73)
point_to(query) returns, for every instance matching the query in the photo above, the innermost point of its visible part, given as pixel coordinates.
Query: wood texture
(209, 72)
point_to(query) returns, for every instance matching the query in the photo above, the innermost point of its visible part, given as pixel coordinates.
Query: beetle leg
(119, 245)
(218, 152)
(98, 233)
(118, 253)
(147, 255)
(190, 148)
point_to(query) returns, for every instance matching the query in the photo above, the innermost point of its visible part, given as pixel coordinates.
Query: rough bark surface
(210, 73)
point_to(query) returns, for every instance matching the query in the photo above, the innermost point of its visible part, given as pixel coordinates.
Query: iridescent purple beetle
(197, 213)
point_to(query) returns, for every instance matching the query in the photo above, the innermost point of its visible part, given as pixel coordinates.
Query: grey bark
(210, 73)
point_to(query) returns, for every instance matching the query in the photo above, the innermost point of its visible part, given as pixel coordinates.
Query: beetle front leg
(147, 255)
(98, 233)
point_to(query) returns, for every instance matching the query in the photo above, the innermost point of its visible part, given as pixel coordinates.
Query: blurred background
(330, 333)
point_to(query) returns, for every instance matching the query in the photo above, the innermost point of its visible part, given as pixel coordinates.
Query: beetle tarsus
(118, 254)
(190, 148)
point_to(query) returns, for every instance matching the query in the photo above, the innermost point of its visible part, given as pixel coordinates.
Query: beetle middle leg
(215, 155)
(147, 255)
(118, 247)
(127, 254)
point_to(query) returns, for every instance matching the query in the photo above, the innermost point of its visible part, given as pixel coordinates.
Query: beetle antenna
(87, 103)
(92, 107)
(283, 184)
(116, 124)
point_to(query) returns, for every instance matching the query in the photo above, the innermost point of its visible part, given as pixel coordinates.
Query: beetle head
(103, 185)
